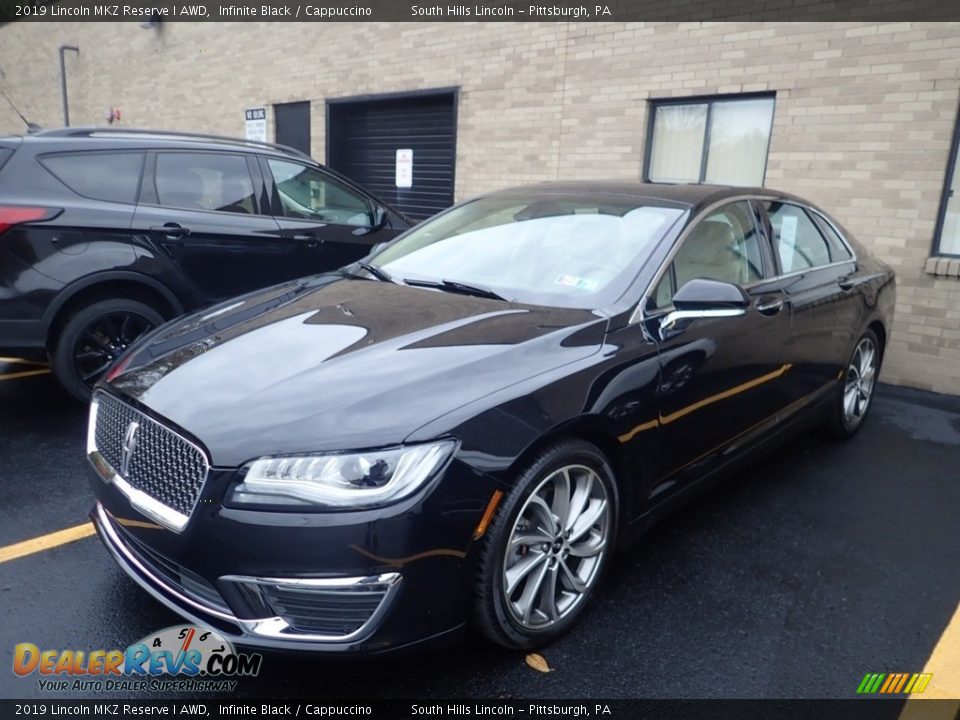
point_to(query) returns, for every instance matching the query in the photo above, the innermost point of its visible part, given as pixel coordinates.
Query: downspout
(63, 82)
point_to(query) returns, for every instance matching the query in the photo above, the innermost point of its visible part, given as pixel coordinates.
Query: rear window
(5, 154)
(113, 177)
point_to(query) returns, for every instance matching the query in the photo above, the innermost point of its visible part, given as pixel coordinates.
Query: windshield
(565, 251)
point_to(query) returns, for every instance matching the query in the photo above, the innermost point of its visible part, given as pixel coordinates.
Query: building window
(720, 140)
(947, 240)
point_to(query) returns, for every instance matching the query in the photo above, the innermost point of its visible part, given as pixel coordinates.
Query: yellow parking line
(21, 361)
(944, 664)
(25, 373)
(45, 542)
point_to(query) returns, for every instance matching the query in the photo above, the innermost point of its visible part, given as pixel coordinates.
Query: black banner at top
(162, 11)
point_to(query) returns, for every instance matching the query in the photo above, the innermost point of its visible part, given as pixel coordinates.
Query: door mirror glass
(701, 294)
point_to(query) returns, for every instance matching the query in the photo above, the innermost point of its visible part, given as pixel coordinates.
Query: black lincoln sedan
(459, 430)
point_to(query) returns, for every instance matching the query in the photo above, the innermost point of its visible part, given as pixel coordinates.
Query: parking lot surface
(829, 561)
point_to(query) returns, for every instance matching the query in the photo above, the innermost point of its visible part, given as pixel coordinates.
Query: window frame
(149, 195)
(945, 193)
(276, 204)
(815, 217)
(709, 101)
(770, 264)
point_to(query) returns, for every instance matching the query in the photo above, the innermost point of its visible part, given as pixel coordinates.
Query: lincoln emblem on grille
(129, 444)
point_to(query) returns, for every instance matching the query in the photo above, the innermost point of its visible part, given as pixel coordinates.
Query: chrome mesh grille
(162, 464)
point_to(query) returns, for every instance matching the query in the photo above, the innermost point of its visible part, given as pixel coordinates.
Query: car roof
(76, 138)
(691, 195)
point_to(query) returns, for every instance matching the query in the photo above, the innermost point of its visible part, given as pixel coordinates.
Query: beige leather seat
(711, 252)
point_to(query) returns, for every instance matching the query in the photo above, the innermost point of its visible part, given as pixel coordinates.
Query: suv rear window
(110, 176)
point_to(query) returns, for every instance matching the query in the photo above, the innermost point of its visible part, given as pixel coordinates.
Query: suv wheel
(94, 337)
(545, 552)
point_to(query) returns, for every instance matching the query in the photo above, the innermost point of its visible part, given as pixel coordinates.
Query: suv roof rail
(93, 130)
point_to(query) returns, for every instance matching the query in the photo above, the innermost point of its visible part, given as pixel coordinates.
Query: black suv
(104, 234)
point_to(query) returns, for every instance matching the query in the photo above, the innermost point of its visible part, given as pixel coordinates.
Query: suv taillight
(16, 215)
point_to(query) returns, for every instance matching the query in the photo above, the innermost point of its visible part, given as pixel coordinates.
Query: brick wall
(863, 121)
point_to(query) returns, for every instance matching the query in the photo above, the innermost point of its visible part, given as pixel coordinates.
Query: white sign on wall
(256, 124)
(404, 175)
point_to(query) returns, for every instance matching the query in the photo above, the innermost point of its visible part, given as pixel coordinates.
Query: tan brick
(863, 126)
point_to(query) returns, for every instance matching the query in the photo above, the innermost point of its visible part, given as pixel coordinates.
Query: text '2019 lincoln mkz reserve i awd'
(460, 430)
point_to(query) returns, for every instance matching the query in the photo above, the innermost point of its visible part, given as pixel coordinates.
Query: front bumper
(385, 579)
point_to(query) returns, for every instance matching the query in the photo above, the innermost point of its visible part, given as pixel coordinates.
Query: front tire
(547, 548)
(96, 335)
(855, 395)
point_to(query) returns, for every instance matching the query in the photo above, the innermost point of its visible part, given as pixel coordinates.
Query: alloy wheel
(858, 387)
(556, 547)
(104, 340)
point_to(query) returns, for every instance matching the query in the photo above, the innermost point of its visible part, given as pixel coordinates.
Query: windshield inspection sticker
(574, 281)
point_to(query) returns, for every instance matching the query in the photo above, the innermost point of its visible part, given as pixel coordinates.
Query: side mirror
(378, 218)
(701, 298)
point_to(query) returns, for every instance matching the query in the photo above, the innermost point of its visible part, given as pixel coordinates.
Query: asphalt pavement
(824, 562)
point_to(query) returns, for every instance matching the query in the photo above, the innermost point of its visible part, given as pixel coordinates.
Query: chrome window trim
(149, 506)
(637, 315)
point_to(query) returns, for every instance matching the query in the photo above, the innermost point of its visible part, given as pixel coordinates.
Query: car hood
(333, 364)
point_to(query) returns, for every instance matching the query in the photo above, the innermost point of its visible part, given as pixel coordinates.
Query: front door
(722, 378)
(331, 223)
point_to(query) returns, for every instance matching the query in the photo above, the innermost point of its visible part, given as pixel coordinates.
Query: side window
(204, 181)
(722, 246)
(310, 194)
(838, 248)
(113, 177)
(796, 240)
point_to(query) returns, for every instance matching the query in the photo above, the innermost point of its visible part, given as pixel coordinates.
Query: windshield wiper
(457, 286)
(378, 272)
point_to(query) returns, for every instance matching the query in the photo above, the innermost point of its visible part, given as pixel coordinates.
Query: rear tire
(546, 550)
(94, 337)
(854, 397)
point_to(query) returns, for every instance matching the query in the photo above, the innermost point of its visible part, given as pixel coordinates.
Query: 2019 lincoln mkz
(459, 430)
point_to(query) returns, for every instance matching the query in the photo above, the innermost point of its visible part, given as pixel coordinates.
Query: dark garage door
(293, 125)
(364, 135)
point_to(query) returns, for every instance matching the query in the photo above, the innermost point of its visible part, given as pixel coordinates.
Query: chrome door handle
(769, 307)
(846, 282)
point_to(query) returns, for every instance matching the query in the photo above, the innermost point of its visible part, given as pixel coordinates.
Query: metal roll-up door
(364, 136)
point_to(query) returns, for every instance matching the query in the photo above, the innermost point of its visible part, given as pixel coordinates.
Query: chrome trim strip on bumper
(264, 632)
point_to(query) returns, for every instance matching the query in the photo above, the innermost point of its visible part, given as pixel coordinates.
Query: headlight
(351, 480)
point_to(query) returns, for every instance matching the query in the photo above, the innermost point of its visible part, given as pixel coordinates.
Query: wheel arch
(592, 430)
(107, 285)
(880, 330)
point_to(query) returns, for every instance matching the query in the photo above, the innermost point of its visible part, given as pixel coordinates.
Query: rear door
(722, 379)
(204, 210)
(818, 274)
(331, 223)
